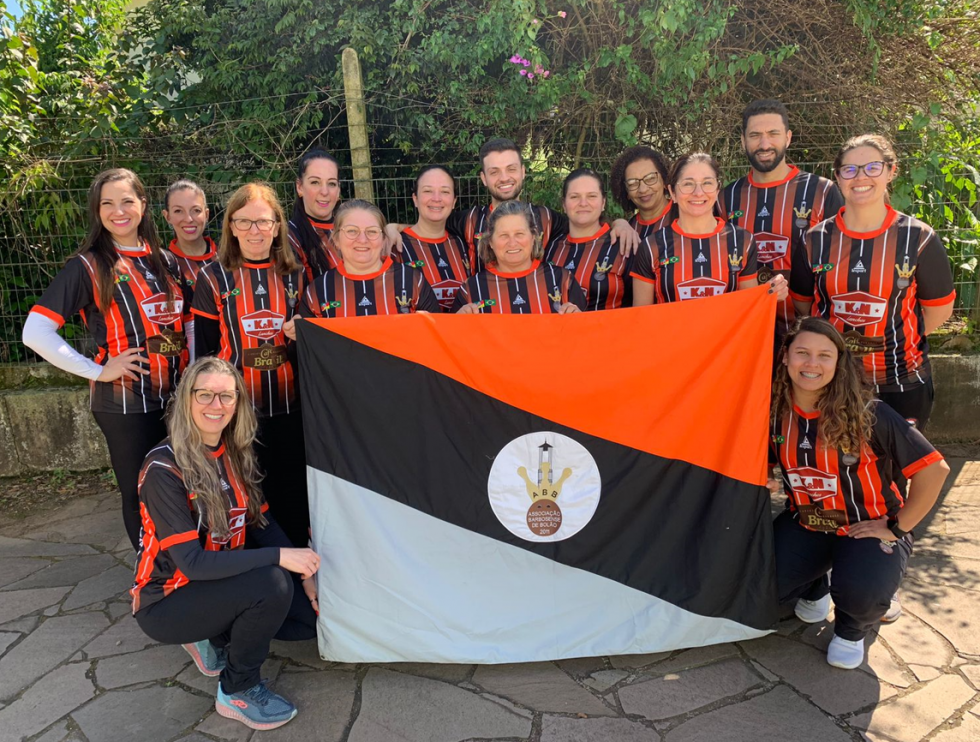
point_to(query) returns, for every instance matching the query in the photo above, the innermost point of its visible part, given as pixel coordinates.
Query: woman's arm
(924, 488)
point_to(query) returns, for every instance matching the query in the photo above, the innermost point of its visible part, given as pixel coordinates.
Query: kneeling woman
(196, 584)
(839, 450)
(515, 280)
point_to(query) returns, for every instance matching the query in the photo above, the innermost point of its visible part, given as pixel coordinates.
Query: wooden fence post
(360, 152)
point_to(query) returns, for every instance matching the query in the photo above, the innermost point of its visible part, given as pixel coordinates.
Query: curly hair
(845, 404)
(617, 176)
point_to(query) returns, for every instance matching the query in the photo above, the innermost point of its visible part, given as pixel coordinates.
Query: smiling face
(696, 190)
(255, 244)
(212, 418)
(319, 188)
(765, 141)
(435, 197)
(584, 203)
(649, 198)
(121, 210)
(512, 243)
(863, 189)
(187, 214)
(811, 362)
(503, 175)
(360, 239)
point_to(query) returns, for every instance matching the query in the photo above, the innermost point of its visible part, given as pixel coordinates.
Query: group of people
(194, 383)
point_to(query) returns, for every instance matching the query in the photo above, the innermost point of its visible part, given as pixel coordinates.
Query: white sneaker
(812, 611)
(894, 611)
(845, 654)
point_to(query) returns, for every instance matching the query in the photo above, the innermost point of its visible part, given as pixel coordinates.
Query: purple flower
(515, 59)
(525, 63)
(535, 22)
(523, 72)
(545, 73)
(530, 75)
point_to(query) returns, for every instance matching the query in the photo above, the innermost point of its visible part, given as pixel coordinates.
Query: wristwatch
(894, 528)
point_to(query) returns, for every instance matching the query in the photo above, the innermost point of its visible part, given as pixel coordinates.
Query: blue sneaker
(256, 707)
(210, 660)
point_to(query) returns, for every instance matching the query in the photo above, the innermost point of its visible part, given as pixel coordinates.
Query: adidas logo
(806, 444)
(260, 291)
(365, 302)
(700, 258)
(518, 300)
(764, 213)
(859, 268)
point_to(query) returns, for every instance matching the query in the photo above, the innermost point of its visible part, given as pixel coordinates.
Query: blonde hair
(509, 208)
(230, 252)
(197, 466)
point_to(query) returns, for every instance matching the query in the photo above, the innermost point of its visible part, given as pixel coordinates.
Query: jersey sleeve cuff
(49, 313)
(948, 299)
(749, 277)
(921, 464)
(195, 310)
(178, 538)
(799, 297)
(642, 278)
(264, 508)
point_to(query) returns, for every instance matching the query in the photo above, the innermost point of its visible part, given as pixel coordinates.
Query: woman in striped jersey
(840, 451)
(311, 222)
(185, 209)
(639, 183)
(128, 293)
(587, 251)
(516, 280)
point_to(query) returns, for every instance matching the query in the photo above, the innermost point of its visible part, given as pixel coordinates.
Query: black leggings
(863, 580)
(243, 613)
(130, 438)
(282, 458)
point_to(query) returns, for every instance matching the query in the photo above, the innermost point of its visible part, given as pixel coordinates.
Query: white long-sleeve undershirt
(41, 335)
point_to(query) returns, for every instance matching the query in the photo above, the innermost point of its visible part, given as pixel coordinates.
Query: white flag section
(397, 585)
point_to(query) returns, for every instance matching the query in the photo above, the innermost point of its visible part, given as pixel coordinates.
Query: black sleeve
(456, 223)
(559, 226)
(207, 316)
(933, 276)
(426, 301)
(832, 202)
(270, 535)
(900, 441)
(199, 564)
(644, 264)
(207, 336)
(71, 290)
(801, 282)
(575, 293)
(462, 297)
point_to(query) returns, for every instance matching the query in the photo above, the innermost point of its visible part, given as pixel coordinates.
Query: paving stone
(968, 730)
(163, 712)
(215, 725)
(20, 547)
(108, 584)
(12, 570)
(805, 668)
(53, 696)
(693, 658)
(509, 705)
(192, 677)
(563, 729)
(121, 638)
(118, 609)
(605, 679)
(57, 733)
(199, 737)
(155, 663)
(776, 716)
(22, 602)
(423, 710)
(972, 673)
(48, 646)
(540, 686)
(324, 700)
(945, 609)
(918, 645)
(925, 673)
(765, 673)
(98, 529)
(305, 653)
(445, 672)
(6, 639)
(680, 692)
(76, 508)
(878, 661)
(51, 611)
(912, 717)
(66, 572)
(581, 667)
(633, 661)
(22, 625)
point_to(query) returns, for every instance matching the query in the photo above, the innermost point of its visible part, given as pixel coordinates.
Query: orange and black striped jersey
(138, 317)
(444, 263)
(872, 286)
(598, 266)
(833, 489)
(251, 304)
(778, 215)
(320, 260)
(471, 223)
(190, 266)
(396, 288)
(171, 518)
(541, 289)
(685, 266)
(645, 228)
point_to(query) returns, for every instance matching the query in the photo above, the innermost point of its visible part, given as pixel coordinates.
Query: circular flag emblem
(544, 487)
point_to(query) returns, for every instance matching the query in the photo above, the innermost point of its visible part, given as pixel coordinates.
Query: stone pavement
(75, 666)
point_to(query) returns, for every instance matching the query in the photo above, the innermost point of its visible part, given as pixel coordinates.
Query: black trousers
(864, 577)
(130, 438)
(243, 613)
(282, 457)
(915, 403)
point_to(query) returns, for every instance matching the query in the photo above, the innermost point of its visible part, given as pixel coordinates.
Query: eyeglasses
(371, 233)
(650, 179)
(687, 187)
(871, 169)
(264, 225)
(206, 397)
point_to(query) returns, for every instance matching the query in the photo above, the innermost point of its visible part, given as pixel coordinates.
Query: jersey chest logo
(160, 311)
(815, 484)
(236, 527)
(698, 288)
(858, 308)
(263, 324)
(770, 247)
(445, 292)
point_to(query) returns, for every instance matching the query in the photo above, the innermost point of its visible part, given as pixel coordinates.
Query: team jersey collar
(793, 172)
(721, 224)
(430, 240)
(142, 252)
(317, 224)
(890, 216)
(534, 266)
(367, 276)
(266, 263)
(217, 453)
(806, 415)
(655, 219)
(208, 255)
(579, 240)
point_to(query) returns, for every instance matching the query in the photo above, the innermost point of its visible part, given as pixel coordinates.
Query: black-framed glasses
(264, 225)
(708, 185)
(650, 180)
(871, 169)
(206, 397)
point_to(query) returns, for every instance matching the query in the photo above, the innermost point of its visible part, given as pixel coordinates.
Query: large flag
(512, 488)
